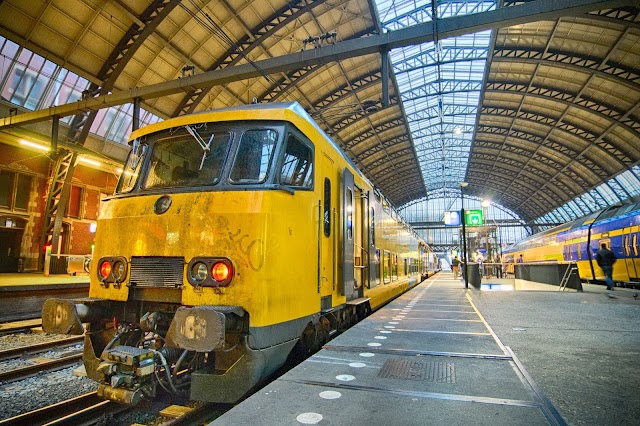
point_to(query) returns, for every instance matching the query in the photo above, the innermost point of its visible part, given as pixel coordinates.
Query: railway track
(39, 364)
(19, 326)
(40, 347)
(39, 367)
(85, 409)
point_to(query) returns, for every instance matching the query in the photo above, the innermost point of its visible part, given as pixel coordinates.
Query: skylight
(440, 84)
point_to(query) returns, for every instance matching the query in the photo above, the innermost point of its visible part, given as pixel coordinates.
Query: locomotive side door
(347, 207)
(361, 255)
(328, 231)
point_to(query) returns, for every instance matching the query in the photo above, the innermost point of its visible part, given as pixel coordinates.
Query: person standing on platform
(519, 259)
(455, 265)
(505, 265)
(605, 259)
(498, 267)
(480, 261)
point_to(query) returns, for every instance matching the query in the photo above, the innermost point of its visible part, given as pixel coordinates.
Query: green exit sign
(473, 218)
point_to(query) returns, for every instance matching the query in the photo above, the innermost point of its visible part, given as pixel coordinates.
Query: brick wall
(93, 183)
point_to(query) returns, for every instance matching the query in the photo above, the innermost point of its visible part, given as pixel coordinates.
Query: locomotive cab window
(254, 156)
(187, 156)
(132, 167)
(297, 164)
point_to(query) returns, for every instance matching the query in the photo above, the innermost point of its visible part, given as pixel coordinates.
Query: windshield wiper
(204, 145)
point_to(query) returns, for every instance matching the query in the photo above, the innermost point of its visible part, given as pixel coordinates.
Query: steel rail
(27, 371)
(40, 347)
(76, 411)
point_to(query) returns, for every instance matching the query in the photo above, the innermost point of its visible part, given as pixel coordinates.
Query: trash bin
(473, 271)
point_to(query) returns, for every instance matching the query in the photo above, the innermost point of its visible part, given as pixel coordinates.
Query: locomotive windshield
(132, 167)
(207, 154)
(254, 156)
(187, 156)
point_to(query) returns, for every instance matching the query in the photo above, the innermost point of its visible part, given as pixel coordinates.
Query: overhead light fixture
(34, 145)
(92, 162)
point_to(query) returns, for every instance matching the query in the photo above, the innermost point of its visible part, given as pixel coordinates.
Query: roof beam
(449, 27)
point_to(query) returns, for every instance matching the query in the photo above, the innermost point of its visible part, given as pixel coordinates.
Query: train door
(630, 252)
(362, 249)
(635, 251)
(327, 234)
(348, 279)
(353, 230)
(374, 255)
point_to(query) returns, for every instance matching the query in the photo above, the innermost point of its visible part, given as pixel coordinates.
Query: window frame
(235, 148)
(12, 192)
(326, 207)
(289, 133)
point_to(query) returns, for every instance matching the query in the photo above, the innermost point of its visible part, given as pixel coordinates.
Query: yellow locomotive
(236, 239)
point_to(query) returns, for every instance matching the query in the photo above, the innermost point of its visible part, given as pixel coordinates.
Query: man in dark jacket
(606, 259)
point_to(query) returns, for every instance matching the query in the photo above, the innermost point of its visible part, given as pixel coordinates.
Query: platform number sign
(473, 218)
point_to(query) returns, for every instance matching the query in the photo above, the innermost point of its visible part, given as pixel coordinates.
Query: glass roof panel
(439, 84)
(33, 82)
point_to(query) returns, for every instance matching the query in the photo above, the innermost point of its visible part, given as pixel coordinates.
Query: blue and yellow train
(237, 239)
(618, 227)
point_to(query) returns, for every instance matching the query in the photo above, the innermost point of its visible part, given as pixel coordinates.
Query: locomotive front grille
(162, 272)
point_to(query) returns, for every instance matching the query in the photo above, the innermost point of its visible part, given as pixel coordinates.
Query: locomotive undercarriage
(205, 353)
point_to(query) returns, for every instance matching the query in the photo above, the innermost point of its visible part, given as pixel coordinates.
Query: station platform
(440, 354)
(23, 294)
(28, 279)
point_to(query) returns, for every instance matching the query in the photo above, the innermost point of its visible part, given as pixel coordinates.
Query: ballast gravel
(40, 391)
(46, 388)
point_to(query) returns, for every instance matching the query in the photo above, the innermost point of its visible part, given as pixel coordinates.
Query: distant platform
(23, 294)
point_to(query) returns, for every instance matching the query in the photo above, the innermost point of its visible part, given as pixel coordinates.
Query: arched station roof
(531, 102)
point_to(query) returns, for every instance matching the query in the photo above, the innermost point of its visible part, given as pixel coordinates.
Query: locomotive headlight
(199, 271)
(119, 271)
(162, 204)
(105, 269)
(210, 271)
(112, 269)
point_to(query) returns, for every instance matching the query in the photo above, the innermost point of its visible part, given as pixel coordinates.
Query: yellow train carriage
(235, 239)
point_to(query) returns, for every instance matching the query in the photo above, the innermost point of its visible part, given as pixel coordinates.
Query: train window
(254, 155)
(406, 271)
(373, 226)
(188, 156)
(349, 214)
(635, 244)
(386, 267)
(376, 265)
(394, 267)
(297, 167)
(327, 207)
(131, 169)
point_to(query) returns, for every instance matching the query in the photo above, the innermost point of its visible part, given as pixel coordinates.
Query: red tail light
(105, 269)
(220, 271)
(210, 272)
